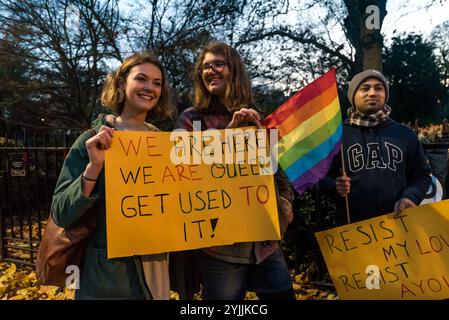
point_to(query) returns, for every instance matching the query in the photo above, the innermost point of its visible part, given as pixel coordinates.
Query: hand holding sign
(156, 206)
(410, 252)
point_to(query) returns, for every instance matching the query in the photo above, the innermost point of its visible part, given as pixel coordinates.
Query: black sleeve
(417, 171)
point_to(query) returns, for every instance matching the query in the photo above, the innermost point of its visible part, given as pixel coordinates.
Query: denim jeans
(224, 280)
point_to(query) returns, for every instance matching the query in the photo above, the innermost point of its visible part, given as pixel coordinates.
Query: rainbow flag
(310, 130)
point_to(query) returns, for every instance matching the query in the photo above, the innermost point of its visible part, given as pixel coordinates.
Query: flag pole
(348, 217)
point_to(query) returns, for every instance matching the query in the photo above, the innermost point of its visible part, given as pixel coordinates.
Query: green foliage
(313, 212)
(440, 37)
(416, 87)
(269, 100)
(12, 82)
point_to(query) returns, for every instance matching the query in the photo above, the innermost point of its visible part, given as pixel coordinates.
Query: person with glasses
(223, 99)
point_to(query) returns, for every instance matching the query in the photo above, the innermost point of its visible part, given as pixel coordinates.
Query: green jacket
(101, 278)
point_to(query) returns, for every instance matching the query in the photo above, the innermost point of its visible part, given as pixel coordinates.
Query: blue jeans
(224, 280)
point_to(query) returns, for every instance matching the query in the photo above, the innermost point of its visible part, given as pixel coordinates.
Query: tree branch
(301, 38)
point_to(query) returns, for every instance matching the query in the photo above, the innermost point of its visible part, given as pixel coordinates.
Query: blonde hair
(112, 96)
(238, 92)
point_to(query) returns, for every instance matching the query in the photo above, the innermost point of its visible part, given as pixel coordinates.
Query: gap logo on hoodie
(374, 158)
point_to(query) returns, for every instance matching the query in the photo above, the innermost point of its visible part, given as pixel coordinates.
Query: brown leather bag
(60, 248)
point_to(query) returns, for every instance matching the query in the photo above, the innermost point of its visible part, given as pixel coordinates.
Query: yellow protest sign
(388, 257)
(155, 204)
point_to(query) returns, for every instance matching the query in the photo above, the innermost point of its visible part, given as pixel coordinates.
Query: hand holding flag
(310, 131)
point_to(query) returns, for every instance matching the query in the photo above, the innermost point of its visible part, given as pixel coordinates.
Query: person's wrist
(92, 172)
(89, 179)
(94, 166)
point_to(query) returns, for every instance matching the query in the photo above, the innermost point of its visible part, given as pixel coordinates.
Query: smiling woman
(223, 99)
(139, 83)
(138, 92)
(142, 88)
(214, 71)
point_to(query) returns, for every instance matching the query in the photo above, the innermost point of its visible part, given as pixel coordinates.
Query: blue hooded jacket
(385, 163)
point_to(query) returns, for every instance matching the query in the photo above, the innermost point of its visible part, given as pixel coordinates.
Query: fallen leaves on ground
(22, 240)
(19, 283)
(307, 290)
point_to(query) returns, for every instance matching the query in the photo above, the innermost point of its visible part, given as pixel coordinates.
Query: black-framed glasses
(217, 65)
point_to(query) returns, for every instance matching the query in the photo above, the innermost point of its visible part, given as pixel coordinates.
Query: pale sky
(403, 15)
(413, 17)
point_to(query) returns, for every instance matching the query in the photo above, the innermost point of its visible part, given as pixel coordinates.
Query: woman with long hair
(223, 99)
(137, 92)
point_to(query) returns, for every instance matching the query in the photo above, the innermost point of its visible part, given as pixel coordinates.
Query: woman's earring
(121, 95)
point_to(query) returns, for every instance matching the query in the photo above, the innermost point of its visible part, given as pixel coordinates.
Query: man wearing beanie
(385, 165)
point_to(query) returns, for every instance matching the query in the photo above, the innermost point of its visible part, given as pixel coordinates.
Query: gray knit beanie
(359, 78)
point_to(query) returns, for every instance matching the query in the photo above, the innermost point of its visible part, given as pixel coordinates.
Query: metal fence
(30, 161)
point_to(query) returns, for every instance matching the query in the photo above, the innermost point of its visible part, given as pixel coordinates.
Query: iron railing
(30, 161)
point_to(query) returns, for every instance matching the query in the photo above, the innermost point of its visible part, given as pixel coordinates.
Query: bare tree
(66, 46)
(346, 31)
(177, 29)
